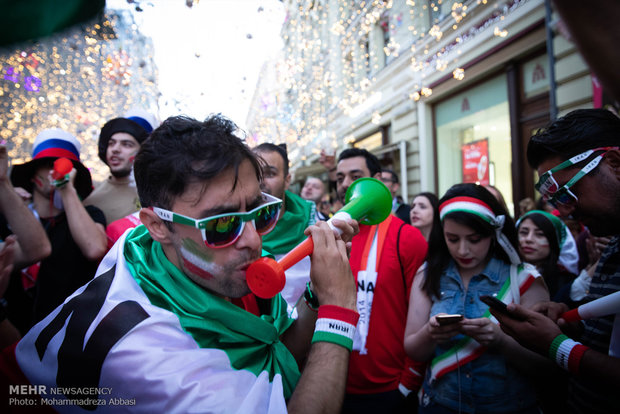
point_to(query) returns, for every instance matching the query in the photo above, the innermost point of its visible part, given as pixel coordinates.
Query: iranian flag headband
(479, 208)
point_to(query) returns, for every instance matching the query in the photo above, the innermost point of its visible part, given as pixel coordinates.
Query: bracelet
(567, 353)
(310, 298)
(335, 325)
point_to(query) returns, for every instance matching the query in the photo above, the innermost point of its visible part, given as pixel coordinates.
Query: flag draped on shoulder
(143, 335)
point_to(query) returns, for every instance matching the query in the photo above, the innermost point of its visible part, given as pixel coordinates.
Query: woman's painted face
(533, 245)
(468, 248)
(421, 213)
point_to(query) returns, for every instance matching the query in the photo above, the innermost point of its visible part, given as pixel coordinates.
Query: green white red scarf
(468, 349)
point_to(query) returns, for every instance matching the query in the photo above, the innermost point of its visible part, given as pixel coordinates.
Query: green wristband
(555, 344)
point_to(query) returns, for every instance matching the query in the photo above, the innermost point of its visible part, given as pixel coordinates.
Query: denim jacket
(488, 383)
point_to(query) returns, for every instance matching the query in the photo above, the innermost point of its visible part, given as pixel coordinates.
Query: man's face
(274, 180)
(386, 178)
(41, 181)
(121, 152)
(349, 170)
(313, 190)
(598, 194)
(222, 271)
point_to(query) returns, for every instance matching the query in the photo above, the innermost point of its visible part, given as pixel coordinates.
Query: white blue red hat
(136, 122)
(48, 146)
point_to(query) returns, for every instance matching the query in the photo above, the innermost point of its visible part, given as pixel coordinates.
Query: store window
(473, 138)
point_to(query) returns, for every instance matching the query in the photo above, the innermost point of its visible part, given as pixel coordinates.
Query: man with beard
(578, 160)
(296, 214)
(76, 233)
(384, 260)
(169, 323)
(314, 190)
(119, 142)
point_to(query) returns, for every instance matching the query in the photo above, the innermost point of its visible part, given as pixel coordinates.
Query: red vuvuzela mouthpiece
(62, 167)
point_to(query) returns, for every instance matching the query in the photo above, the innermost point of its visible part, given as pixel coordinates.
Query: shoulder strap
(400, 262)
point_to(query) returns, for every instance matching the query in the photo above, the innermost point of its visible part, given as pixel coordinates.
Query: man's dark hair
(392, 174)
(183, 150)
(574, 133)
(372, 162)
(279, 148)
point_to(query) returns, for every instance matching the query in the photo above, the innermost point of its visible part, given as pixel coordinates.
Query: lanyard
(379, 230)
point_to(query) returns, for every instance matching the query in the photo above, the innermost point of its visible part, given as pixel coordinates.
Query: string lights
(329, 65)
(76, 80)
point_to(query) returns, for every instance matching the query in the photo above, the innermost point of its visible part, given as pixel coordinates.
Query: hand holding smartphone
(447, 319)
(497, 305)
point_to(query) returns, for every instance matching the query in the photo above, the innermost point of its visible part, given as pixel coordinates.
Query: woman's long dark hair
(439, 257)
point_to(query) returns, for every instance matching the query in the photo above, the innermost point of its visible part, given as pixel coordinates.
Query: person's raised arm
(328, 161)
(322, 384)
(32, 242)
(88, 235)
(8, 333)
(297, 338)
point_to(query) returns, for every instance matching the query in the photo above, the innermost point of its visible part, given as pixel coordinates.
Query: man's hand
(72, 174)
(327, 160)
(552, 310)
(348, 229)
(532, 330)
(330, 271)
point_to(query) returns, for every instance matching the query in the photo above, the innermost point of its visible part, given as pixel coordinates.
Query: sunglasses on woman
(225, 229)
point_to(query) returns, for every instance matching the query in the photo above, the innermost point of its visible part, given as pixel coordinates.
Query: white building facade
(441, 91)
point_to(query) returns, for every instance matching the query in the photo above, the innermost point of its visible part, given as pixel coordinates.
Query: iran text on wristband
(335, 325)
(567, 353)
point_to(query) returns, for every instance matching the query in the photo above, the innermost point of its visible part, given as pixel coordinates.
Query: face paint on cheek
(197, 260)
(38, 181)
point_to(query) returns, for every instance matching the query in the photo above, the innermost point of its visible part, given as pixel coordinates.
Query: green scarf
(289, 230)
(251, 342)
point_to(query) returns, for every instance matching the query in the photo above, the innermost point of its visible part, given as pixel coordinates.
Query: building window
(473, 138)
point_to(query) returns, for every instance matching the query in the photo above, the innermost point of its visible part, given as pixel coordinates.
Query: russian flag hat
(479, 208)
(48, 146)
(136, 122)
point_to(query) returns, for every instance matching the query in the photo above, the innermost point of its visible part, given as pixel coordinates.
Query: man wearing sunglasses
(578, 160)
(169, 323)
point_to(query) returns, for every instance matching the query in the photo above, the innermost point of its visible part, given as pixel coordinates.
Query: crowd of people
(139, 286)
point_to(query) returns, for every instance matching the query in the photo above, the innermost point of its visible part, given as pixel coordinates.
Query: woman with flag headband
(547, 243)
(474, 366)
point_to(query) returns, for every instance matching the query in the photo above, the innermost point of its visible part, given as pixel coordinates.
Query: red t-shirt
(386, 364)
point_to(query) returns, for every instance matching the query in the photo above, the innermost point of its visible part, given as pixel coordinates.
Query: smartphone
(495, 304)
(448, 319)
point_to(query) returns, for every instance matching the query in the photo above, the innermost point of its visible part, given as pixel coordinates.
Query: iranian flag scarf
(468, 349)
(251, 342)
